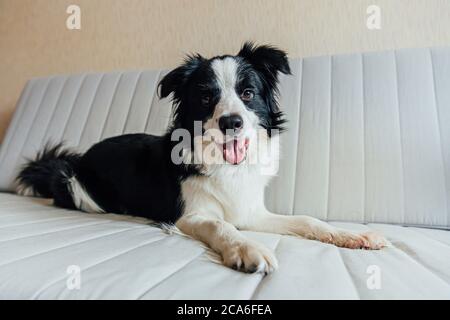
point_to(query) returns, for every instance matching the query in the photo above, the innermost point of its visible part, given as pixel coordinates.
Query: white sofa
(368, 147)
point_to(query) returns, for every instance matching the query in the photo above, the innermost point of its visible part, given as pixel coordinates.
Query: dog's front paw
(375, 240)
(249, 257)
(368, 240)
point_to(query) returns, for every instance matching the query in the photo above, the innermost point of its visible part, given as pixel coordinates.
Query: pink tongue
(234, 151)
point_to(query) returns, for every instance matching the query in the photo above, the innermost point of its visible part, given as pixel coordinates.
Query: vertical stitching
(330, 134)
(151, 101)
(110, 105)
(21, 105)
(20, 154)
(364, 118)
(77, 96)
(298, 138)
(90, 108)
(131, 101)
(53, 112)
(401, 136)
(440, 132)
(35, 115)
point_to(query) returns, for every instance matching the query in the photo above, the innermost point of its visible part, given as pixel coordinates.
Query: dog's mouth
(235, 150)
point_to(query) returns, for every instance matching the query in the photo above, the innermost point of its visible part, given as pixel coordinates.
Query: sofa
(367, 148)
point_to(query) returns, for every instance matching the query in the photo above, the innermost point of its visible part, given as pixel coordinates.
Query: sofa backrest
(368, 135)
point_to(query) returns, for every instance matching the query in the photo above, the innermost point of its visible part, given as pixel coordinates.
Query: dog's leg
(237, 252)
(314, 229)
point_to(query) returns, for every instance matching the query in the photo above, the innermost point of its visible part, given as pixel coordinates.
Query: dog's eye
(247, 95)
(206, 99)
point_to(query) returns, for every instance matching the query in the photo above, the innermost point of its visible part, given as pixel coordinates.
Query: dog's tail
(49, 173)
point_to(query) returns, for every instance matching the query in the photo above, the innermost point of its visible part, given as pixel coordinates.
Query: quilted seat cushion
(120, 257)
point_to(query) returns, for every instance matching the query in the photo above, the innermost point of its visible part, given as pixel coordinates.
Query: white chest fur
(233, 194)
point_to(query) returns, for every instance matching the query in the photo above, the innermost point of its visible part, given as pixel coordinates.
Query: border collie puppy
(212, 183)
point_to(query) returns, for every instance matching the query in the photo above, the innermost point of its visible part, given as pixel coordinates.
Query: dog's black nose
(231, 122)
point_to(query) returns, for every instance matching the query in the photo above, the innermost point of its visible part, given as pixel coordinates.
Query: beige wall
(131, 34)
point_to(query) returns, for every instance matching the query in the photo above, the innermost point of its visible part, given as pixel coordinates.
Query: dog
(232, 100)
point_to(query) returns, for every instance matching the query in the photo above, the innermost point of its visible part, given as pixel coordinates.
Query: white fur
(230, 103)
(81, 198)
(26, 191)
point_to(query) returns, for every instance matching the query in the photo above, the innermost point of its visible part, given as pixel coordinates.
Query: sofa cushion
(368, 138)
(42, 249)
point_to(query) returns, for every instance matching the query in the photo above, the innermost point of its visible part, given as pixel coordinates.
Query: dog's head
(232, 97)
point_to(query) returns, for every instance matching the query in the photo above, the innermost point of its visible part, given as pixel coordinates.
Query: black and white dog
(234, 99)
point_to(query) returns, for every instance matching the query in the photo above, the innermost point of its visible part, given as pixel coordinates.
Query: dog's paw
(375, 240)
(249, 257)
(350, 240)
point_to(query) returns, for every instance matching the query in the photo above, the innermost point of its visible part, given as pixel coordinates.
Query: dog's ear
(266, 59)
(174, 81)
